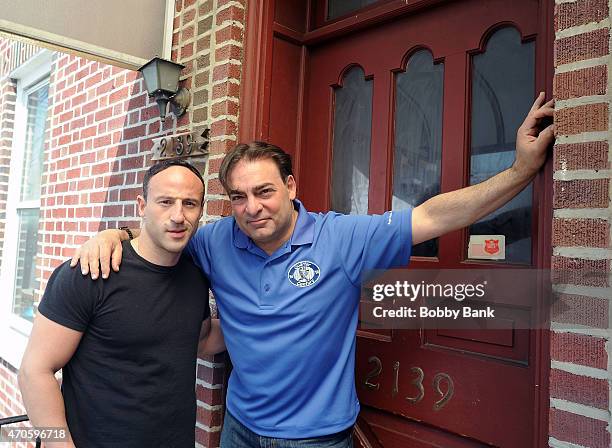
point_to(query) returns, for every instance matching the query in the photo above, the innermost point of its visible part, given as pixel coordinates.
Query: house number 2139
(442, 383)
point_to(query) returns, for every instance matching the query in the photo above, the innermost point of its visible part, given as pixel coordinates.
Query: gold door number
(442, 383)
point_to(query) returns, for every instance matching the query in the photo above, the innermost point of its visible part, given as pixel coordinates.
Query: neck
(152, 253)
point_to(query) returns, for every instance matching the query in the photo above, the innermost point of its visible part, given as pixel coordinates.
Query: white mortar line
(599, 213)
(587, 253)
(567, 175)
(573, 66)
(554, 443)
(575, 369)
(580, 409)
(584, 137)
(580, 29)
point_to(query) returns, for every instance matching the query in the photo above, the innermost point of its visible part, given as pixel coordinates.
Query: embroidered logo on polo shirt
(304, 273)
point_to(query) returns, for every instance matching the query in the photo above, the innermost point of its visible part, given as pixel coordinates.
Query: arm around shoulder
(98, 253)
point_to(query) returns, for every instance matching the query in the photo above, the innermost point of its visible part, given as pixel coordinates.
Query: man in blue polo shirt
(287, 285)
(289, 305)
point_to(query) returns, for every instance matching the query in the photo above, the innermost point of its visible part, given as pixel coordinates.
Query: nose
(253, 206)
(177, 214)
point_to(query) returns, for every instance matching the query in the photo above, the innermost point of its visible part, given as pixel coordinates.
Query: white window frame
(15, 330)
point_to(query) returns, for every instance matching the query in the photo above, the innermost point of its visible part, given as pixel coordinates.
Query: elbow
(28, 375)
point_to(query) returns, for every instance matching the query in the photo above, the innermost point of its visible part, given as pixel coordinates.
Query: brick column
(580, 337)
(207, 39)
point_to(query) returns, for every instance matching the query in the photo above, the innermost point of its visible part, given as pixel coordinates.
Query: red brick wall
(580, 338)
(101, 121)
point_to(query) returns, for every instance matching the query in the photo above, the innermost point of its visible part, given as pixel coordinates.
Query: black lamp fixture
(161, 78)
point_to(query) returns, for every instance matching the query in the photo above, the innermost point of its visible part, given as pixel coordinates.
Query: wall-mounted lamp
(161, 79)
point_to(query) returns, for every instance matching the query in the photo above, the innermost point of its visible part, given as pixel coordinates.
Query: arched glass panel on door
(418, 137)
(351, 146)
(503, 80)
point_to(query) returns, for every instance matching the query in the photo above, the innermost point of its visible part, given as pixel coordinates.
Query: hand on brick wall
(534, 137)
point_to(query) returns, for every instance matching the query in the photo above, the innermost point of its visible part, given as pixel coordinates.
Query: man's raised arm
(457, 209)
(97, 253)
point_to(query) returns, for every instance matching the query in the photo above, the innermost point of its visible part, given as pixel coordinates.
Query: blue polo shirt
(289, 319)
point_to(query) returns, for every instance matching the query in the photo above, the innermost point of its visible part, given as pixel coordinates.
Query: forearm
(458, 209)
(213, 343)
(44, 404)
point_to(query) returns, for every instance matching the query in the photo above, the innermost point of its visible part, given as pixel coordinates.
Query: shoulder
(190, 271)
(215, 234)
(386, 218)
(65, 275)
(351, 229)
(70, 298)
(223, 225)
(339, 222)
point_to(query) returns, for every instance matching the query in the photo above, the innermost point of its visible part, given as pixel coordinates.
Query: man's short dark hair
(164, 165)
(251, 152)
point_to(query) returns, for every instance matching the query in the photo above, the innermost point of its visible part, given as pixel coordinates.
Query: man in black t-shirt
(128, 345)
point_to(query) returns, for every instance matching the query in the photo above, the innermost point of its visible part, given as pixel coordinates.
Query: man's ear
(142, 202)
(201, 211)
(292, 187)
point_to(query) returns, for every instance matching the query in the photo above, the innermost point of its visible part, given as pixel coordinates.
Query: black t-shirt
(131, 381)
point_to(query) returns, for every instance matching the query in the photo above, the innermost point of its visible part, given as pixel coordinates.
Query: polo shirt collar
(303, 233)
(241, 241)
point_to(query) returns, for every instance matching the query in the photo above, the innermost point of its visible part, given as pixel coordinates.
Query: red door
(393, 114)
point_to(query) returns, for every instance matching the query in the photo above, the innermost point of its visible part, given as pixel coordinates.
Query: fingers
(105, 258)
(546, 110)
(116, 257)
(547, 135)
(93, 259)
(539, 111)
(538, 102)
(75, 258)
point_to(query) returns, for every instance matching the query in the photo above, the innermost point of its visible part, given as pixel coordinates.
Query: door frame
(255, 87)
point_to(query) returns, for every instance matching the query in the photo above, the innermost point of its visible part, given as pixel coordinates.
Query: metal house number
(181, 145)
(443, 384)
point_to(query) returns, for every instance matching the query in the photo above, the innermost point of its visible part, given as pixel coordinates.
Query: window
(352, 135)
(28, 207)
(18, 278)
(502, 92)
(418, 137)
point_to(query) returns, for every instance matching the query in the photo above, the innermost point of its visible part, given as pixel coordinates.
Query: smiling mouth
(258, 222)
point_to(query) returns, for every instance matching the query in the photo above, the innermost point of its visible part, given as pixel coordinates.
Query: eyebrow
(257, 188)
(162, 197)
